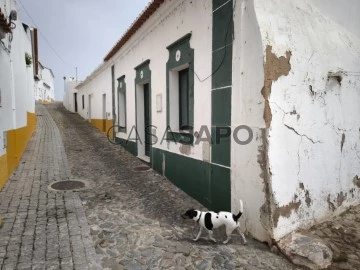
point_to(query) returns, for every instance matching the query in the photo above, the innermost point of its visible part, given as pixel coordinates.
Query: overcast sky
(81, 32)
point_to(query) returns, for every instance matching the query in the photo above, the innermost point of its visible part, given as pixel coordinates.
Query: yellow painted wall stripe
(17, 140)
(101, 124)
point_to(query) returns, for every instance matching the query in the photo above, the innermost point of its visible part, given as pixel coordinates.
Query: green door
(147, 119)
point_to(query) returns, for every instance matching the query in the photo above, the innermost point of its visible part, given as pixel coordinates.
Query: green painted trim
(146, 78)
(121, 80)
(121, 77)
(186, 58)
(205, 182)
(180, 40)
(221, 100)
(146, 62)
(222, 26)
(113, 96)
(222, 77)
(221, 147)
(130, 146)
(218, 3)
(179, 137)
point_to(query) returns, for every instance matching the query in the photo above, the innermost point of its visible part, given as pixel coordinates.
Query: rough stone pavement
(342, 235)
(128, 220)
(43, 229)
(134, 217)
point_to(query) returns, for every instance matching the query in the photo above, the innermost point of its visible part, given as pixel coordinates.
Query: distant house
(17, 103)
(44, 84)
(256, 100)
(70, 98)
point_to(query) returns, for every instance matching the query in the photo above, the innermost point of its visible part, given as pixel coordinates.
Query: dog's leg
(227, 240)
(242, 235)
(211, 236)
(197, 237)
(228, 234)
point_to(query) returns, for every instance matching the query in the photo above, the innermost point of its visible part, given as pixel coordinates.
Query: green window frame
(121, 104)
(180, 89)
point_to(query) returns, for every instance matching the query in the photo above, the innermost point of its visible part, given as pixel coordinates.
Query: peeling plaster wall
(250, 178)
(314, 128)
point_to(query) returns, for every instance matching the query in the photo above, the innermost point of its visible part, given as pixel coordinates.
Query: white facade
(44, 85)
(295, 84)
(70, 99)
(97, 95)
(17, 103)
(16, 78)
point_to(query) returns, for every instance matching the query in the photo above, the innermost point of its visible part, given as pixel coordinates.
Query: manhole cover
(141, 169)
(67, 185)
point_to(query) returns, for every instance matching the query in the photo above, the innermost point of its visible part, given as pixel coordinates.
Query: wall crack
(302, 135)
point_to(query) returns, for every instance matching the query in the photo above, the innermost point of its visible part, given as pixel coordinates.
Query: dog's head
(189, 214)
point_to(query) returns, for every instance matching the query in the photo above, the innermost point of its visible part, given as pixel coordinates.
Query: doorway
(75, 102)
(147, 128)
(143, 121)
(89, 108)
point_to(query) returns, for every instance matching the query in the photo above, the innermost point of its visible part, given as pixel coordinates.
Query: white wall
(99, 84)
(6, 89)
(44, 87)
(69, 90)
(23, 74)
(172, 21)
(16, 79)
(48, 78)
(248, 161)
(314, 149)
(345, 15)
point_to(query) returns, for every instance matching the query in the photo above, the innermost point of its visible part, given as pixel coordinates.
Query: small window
(83, 101)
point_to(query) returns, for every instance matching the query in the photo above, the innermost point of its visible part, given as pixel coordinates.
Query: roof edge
(142, 18)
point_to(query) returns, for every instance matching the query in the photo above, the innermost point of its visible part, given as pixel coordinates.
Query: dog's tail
(240, 212)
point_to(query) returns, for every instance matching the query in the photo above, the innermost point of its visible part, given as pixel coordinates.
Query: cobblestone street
(134, 217)
(127, 220)
(42, 229)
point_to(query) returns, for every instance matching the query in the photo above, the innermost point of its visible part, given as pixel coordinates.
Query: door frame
(89, 108)
(75, 103)
(143, 76)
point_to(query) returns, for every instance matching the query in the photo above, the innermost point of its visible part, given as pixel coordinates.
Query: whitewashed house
(248, 99)
(17, 103)
(94, 99)
(44, 84)
(70, 99)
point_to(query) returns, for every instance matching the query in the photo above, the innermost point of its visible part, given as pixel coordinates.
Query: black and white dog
(212, 220)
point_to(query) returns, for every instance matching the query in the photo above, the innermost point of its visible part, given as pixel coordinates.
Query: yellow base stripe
(3, 170)
(102, 124)
(17, 140)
